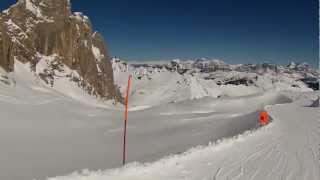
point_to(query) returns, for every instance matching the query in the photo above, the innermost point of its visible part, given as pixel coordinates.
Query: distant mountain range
(299, 71)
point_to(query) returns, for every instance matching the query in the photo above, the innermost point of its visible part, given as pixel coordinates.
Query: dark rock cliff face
(32, 28)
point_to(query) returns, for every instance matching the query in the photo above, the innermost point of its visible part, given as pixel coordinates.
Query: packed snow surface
(286, 149)
(54, 131)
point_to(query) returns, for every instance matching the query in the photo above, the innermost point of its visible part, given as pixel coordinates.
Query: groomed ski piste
(177, 129)
(286, 149)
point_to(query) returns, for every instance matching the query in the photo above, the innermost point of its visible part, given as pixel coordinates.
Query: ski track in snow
(286, 149)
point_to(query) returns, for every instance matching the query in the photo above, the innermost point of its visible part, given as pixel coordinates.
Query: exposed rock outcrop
(31, 29)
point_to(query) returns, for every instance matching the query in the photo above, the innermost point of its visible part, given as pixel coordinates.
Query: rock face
(31, 29)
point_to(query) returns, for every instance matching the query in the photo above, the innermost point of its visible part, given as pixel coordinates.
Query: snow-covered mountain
(180, 80)
(204, 65)
(56, 44)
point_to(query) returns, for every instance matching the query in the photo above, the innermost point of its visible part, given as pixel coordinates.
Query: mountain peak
(47, 9)
(33, 31)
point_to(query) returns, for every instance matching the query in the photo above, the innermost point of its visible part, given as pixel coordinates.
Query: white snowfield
(286, 149)
(54, 131)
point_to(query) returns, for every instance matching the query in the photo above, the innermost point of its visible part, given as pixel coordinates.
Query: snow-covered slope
(23, 82)
(53, 131)
(286, 149)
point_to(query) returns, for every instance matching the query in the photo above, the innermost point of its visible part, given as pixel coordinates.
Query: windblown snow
(186, 121)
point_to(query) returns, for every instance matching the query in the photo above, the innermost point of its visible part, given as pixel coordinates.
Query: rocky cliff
(33, 29)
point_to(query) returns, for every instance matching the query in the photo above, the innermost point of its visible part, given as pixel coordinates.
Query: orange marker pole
(124, 150)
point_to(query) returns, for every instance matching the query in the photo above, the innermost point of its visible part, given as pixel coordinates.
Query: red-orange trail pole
(124, 150)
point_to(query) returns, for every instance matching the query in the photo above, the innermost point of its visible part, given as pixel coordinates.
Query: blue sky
(237, 31)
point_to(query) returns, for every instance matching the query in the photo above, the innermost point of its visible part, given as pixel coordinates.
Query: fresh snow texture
(286, 149)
